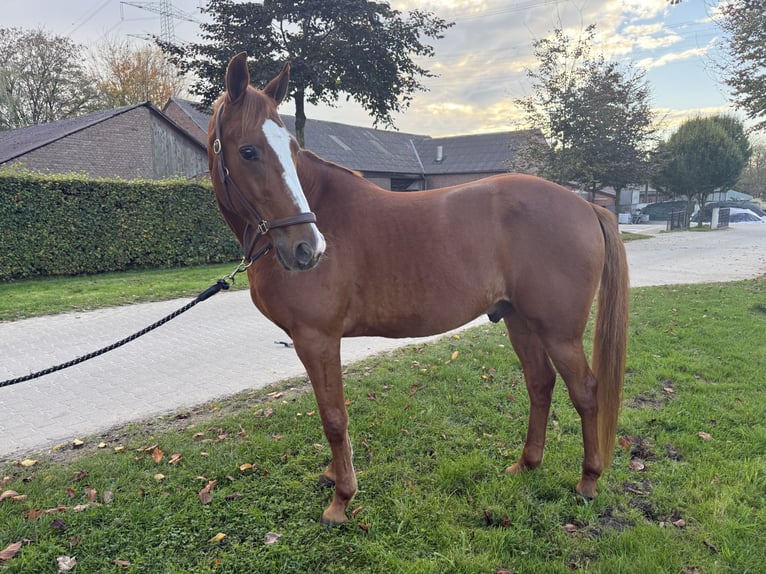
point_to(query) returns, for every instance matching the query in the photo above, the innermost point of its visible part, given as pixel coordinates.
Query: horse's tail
(610, 334)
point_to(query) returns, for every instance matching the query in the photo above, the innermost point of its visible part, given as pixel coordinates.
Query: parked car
(738, 215)
(661, 210)
(746, 205)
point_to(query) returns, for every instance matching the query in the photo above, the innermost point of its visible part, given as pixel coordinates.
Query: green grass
(433, 433)
(35, 297)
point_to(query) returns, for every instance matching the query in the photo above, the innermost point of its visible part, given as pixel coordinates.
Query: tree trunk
(300, 117)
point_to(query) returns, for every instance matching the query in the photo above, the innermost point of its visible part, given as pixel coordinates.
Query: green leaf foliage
(70, 225)
(703, 156)
(365, 50)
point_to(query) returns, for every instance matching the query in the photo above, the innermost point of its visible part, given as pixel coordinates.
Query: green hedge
(71, 225)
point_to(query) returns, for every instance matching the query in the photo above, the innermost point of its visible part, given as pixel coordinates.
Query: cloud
(649, 63)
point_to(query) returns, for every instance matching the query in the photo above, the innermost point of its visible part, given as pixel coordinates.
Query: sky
(481, 62)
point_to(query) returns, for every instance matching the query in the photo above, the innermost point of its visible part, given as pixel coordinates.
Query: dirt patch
(205, 414)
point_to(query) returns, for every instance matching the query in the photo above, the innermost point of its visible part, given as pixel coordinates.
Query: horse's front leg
(320, 355)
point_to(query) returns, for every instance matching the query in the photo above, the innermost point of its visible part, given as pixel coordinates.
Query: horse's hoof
(333, 520)
(586, 490)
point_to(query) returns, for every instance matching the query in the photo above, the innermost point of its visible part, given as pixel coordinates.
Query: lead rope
(222, 284)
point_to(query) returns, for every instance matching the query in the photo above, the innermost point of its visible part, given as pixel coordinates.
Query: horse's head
(252, 165)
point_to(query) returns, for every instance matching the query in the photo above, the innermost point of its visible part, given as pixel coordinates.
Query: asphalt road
(225, 346)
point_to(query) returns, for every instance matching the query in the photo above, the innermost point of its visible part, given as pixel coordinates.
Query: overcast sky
(481, 60)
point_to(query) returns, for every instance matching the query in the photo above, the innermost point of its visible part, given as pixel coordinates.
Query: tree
(744, 22)
(701, 157)
(126, 74)
(360, 48)
(42, 78)
(753, 177)
(595, 115)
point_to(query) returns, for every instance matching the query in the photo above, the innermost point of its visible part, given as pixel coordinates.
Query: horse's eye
(248, 152)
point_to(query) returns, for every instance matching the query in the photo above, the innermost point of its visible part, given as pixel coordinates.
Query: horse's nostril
(304, 253)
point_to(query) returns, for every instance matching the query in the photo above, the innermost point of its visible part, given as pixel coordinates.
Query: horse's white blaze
(279, 139)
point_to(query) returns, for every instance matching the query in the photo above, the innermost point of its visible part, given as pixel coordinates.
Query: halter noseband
(264, 226)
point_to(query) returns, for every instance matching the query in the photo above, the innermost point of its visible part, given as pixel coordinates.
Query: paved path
(224, 346)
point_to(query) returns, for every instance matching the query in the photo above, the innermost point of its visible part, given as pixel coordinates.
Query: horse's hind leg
(570, 361)
(539, 377)
(320, 355)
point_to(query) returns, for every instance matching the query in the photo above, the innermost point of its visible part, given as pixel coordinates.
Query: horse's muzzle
(301, 255)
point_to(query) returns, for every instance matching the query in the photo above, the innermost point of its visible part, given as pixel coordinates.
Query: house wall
(174, 155)
(132, 145)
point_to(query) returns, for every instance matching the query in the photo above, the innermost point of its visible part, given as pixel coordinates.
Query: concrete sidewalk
(219, 347)
(224, 345)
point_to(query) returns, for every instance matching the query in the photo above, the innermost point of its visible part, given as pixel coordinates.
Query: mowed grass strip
(232, 486)
(35, 297)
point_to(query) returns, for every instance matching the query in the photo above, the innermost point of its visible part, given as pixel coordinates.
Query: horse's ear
(277, 88)
(237, 77)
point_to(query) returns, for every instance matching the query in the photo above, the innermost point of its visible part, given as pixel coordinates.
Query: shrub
(71, 225)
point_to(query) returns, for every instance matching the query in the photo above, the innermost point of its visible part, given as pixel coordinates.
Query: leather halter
(264, 226)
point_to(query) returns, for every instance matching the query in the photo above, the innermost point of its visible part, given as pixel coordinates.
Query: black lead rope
(221, 285)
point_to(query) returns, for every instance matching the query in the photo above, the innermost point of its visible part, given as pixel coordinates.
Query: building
(393, 160)
(132, 142)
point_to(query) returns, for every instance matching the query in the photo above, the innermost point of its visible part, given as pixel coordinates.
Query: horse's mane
(320, 160)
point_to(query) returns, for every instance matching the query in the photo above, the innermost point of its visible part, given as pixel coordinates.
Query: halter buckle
(217, 146)
(263, 227)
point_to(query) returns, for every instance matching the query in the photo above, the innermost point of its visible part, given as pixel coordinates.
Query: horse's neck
(321, 178)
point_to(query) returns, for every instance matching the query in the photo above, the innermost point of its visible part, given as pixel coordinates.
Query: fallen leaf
(91, 493)
(102, 445)
(217, 538)
(571, 528)
(77, 443)
(680, 523)
(246, 466)
(33, 514)
(157, 455)
(626, 442)
(123, 563)
(271, 538)
(81, 507)
(205, 495)
(357, 510)
(234, 496)
(80, 475)
(27, 462)
(636, 464)
(175, 458)
(8, 494)
(119, 449)
(454, 355)
(365, 527)
(6, 480)
(58, 524)
(66, 564)
(10, 551)
(705, 436)
(159, 476)
(198, 435)
(108, 496)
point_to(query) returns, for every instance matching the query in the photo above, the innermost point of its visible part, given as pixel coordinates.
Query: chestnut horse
(334, 256)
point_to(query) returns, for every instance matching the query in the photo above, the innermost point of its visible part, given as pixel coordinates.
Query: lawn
(232, 486)
(34, 297)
